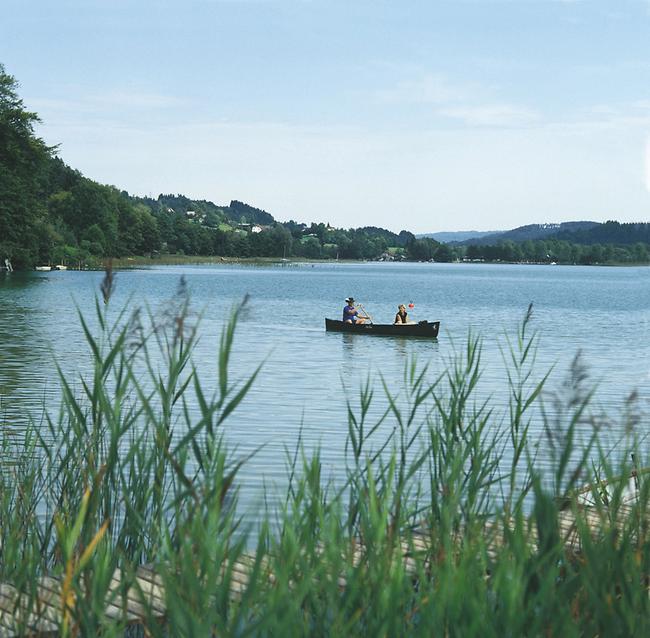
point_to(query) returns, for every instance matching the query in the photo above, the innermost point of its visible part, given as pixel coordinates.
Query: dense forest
(51, 214)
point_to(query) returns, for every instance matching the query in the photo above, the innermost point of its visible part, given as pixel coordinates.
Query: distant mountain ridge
(458, 236)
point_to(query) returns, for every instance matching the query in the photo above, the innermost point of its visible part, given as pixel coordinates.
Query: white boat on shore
(43, 268)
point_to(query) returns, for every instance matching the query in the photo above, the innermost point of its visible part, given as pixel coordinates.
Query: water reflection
(347, 343)
(25, 363)
(18, 281)
(401, 346)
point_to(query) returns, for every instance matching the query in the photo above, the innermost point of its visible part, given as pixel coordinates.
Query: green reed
(444, 527)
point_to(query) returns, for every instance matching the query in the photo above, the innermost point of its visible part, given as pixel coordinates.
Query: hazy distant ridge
(459, 236)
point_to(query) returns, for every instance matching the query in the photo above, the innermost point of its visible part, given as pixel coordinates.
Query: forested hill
(235, 212)
(243, 213)
(584, 233)
(610, 232)
(530, 232)
(206, 211)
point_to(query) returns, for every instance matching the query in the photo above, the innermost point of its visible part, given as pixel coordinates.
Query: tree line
(559, 251)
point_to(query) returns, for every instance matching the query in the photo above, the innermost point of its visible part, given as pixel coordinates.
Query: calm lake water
(603, 313)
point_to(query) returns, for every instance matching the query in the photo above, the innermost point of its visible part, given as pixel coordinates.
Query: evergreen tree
(24, 161)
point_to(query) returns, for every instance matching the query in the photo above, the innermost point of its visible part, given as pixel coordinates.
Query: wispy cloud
(470, 104)
(493, 115)
(631, 114)
(110, 100)
(428, 89)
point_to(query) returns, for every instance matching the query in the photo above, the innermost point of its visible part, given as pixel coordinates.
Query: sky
(428, 116)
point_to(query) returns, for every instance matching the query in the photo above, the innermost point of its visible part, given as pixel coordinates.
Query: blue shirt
(350, 313)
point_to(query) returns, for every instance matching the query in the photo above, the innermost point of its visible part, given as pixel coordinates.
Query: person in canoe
(350, 313)
(402, 316)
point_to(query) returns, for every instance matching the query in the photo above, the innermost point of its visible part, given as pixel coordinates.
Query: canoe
(420, 329)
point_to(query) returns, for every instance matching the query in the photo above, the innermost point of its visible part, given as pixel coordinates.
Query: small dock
(40, 611)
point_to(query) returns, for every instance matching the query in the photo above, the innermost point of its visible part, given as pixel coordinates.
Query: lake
(603, 313)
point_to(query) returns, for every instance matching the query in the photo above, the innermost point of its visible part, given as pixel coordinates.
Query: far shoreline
(125, 263)
(141, 261)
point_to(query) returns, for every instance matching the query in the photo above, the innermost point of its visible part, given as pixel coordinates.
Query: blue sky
(439, 115)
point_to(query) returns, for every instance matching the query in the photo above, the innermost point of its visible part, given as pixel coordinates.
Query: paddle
(366, 313)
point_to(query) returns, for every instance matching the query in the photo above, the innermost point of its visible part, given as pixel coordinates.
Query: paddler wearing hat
(350, 313)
